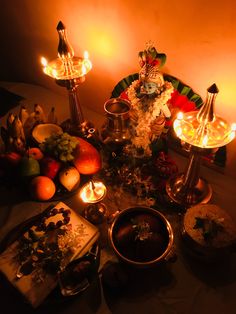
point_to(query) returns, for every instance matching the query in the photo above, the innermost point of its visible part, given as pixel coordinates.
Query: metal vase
(116, 127)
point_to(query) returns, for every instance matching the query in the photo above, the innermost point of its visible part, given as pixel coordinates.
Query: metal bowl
(141, 237)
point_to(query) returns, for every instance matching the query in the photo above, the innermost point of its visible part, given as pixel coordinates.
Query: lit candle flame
(54, 73)
(177, 127)
(178, 132)
(233, 127)
(232, 135)
(83, 69)
(180, 115)
(205, 141)
(93, 192)
(44, 61)
(86, 55)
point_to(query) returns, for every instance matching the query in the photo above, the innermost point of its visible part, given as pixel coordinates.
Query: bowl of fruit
(53, 167)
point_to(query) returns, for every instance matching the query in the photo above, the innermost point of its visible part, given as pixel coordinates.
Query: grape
(60, 146)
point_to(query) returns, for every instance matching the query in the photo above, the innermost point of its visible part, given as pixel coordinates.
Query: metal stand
(69, 71)
(76, 125)
(188, 188)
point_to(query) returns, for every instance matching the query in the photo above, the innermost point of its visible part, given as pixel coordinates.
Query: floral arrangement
(148, 122)
(149, 96)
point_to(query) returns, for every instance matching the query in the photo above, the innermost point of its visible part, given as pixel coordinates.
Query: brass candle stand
(69, 71)
(203, 132)
(189, 188)
(92, 193)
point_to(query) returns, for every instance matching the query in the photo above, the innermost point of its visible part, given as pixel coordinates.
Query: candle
(93, 192)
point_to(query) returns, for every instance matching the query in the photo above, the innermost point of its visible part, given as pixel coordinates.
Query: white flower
(142, 127)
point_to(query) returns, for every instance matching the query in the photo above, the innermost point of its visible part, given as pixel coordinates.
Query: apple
(87, 159)
(35, 153)
(69, 177)
(29, 167)
(13, 158)
(8, 163)
(10, 159)
(50, 167)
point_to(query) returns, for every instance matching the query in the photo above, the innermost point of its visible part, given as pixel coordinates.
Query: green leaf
(162, 58)
(185, 90)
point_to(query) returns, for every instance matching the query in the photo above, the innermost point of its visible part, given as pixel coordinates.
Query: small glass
(78, 274)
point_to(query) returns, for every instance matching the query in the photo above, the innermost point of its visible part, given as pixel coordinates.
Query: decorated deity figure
(149, 97)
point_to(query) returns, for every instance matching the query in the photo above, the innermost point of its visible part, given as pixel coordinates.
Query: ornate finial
(206, 113)
(213, 89)
(65, 50)
(60, 26)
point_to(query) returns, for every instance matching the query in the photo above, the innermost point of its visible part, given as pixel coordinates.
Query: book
(33, 261)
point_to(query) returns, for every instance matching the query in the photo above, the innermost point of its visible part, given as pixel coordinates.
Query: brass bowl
(141, 237)
(215, 243)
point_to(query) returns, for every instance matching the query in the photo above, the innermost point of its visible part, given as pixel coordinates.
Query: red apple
(12, 158)
(8, 162)
(49, 167)
(87, 159)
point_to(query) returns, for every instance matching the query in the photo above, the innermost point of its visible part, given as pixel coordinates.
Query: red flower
(124, 95)
(181, 102)
(155, 62)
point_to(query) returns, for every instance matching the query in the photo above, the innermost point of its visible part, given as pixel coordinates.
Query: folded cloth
(8, 101)
(32, 263)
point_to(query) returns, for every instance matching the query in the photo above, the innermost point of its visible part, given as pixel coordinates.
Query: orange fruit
(42, 188)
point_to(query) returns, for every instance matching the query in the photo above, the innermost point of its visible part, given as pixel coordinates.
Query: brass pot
(141, 237)
(116, 127)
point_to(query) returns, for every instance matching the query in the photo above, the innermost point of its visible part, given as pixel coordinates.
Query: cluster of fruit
(61, 146)
(44, 172)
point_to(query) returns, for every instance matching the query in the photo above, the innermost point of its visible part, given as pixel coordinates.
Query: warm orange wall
(199, 38)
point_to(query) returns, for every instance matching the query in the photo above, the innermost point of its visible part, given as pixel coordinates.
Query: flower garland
(143, 120)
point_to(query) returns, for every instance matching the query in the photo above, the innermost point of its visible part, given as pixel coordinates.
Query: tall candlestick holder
(92, 193)
(203, 132)
(69, 71)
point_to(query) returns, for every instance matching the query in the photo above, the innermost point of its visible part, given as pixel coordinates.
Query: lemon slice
(45, 130)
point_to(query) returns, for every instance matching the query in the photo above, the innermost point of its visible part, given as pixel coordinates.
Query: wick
(94, 193)
(92, 185)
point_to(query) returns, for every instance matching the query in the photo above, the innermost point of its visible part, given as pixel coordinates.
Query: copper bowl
(141, 237)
